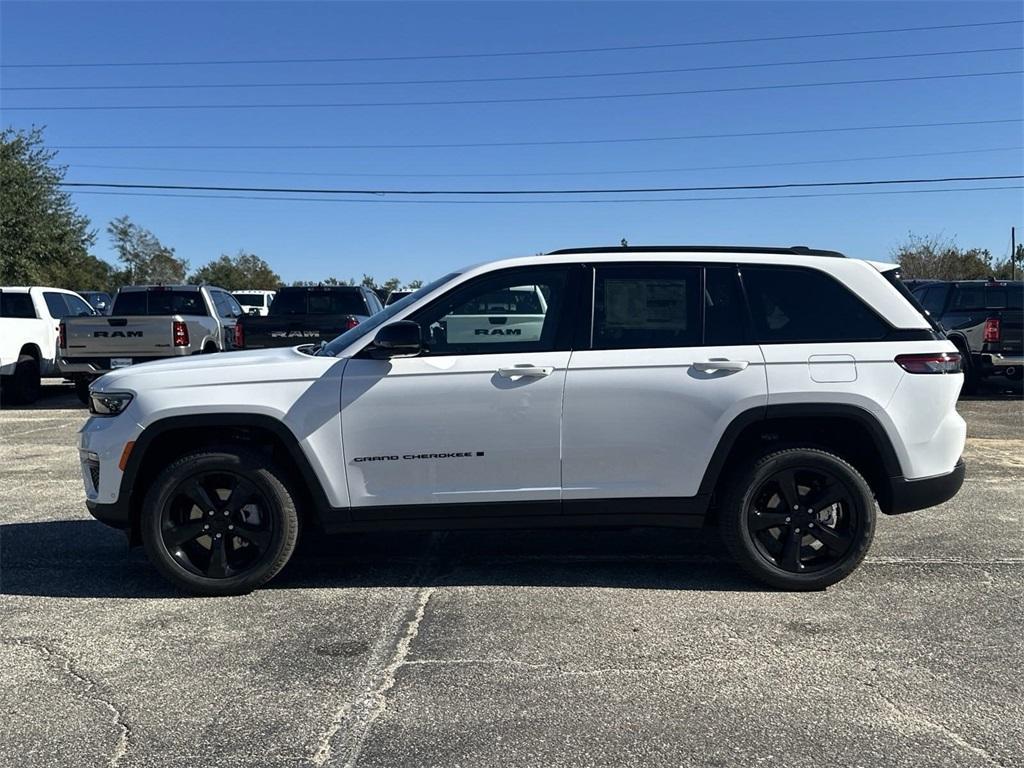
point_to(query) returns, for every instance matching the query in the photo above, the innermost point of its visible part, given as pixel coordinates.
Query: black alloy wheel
(220, 521)
(799, 518)
(803, 519)
(217, 525)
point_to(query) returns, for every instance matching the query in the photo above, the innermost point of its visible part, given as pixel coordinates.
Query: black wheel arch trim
(121, 513)
(766, 413)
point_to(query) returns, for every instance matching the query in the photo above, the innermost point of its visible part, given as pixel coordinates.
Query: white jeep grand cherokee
(777, 393)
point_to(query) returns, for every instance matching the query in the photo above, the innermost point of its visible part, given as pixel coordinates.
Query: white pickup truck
(30, 320)
(149, 322)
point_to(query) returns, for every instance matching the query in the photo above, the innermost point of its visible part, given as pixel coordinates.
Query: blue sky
(315, 239)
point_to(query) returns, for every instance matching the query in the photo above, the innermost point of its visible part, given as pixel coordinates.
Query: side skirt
(686, 512)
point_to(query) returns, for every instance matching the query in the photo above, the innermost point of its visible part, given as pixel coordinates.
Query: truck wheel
(220, 521)
(972, 376)
(82, 390)
(798, 519)
(22, 386)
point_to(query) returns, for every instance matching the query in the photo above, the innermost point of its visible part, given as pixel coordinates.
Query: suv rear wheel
(799, 519)
(220, 521)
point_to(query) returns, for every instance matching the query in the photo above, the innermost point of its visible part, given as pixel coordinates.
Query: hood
(281, 364)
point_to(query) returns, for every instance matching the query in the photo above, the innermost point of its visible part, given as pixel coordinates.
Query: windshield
(379, 319)
(249, 299)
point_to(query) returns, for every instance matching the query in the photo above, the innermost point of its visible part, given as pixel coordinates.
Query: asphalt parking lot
(554, 648)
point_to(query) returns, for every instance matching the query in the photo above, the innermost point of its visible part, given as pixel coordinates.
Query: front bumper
(115, 515)
(910, 495)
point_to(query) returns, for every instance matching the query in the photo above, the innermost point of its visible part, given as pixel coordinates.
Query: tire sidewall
(740, 537)
(24, 384)
(266, 477)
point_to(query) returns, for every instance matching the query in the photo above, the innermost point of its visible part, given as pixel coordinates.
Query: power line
(635, 171)
(497, 192)
(499, 54)
(519, 78)
(388, 201)
(553, 142)
(516, 100)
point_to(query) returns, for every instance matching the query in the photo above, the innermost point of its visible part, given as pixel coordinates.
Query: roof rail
(794, 250)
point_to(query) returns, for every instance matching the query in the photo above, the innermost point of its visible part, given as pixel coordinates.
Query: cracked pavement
(537, 648)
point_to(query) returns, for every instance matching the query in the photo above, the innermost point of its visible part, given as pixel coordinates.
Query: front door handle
(708, 366)
(531, 371)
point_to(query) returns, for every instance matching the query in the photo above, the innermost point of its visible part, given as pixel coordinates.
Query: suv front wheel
(798, 519)
(220, 521)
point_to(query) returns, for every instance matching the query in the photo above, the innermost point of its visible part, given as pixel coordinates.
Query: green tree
(145, 258)
(241, 271)
(44, 240)
(938, 259)
(1011, 268)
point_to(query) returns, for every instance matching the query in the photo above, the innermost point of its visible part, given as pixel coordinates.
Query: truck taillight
(62, 335)
(239, 336)
(937, 362)
(351, 323)
(993, 333)
(180, 333)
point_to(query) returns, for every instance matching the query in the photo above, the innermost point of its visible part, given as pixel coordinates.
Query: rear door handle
(721, 365)
(531, 371)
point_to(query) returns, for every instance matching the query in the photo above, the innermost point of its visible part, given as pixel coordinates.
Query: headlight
(108, 403)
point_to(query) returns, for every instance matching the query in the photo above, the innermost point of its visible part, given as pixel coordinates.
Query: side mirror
(403, 337)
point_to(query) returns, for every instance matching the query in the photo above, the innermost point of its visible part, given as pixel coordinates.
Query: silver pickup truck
(148, 323)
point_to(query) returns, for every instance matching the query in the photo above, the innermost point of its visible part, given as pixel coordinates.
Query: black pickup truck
(309, 315)
(985, 319)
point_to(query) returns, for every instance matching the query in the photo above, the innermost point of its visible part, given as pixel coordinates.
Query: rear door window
(647, 306)
(16, 305)
(793, 304)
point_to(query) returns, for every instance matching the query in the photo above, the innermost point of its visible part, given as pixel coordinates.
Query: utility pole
(1013, 253)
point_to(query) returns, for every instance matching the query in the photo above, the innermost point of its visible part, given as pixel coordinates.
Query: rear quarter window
(793, 304)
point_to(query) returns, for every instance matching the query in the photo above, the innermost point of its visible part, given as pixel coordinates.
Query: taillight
(62, 335)
(239, 336)
(936, 362)
(351, 323)
(992, 330)
(180, 333)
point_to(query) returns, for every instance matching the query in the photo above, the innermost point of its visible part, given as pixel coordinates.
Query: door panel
(452, 429)
(645, 422)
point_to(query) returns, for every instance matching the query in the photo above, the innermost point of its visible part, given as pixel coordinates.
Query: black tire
(82, 390)
(22, 386)
(250, 538)
(765, 517)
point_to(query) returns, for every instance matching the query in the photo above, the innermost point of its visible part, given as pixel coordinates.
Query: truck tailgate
(128, 336)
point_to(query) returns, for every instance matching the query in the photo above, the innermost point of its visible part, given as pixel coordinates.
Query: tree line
(44, 240)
